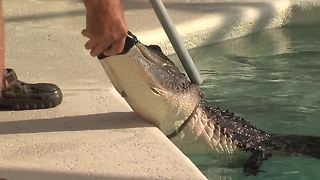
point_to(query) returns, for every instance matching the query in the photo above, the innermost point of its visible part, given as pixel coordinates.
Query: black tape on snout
(130, 42)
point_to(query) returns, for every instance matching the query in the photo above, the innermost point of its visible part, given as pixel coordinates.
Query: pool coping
(214, 28)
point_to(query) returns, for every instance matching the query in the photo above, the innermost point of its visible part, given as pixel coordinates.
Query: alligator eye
(184, 85)
(154, 90)
(164, 64)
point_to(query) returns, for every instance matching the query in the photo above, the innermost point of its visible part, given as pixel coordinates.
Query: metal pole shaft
(176, 42)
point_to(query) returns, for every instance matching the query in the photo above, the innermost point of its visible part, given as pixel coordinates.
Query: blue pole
(176, 42)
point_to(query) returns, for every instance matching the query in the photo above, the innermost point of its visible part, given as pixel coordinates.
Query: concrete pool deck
(94, 134)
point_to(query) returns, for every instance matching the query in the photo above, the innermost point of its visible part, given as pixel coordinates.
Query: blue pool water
(272, 79)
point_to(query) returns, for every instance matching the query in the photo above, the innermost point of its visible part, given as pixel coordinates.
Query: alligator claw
(253, 164)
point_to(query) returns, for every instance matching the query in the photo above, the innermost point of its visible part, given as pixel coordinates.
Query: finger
(84, 32)
(99, 49)
(90, 44)
(115, 49)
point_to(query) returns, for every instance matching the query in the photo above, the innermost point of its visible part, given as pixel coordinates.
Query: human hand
(105, 27)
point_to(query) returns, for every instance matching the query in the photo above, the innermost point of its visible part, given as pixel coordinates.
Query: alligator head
(152, 85)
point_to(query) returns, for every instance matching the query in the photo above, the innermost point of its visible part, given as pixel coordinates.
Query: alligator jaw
(136, 76)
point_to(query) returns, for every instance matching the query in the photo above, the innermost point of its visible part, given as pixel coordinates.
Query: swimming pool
(272, 79)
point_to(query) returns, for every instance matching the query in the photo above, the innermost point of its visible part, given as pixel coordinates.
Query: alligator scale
(159, 93)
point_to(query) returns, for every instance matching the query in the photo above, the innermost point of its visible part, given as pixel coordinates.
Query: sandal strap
(9, 77)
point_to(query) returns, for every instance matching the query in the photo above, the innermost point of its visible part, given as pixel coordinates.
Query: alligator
(159, 93)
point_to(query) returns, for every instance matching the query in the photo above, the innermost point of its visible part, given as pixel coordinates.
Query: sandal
(18, 95)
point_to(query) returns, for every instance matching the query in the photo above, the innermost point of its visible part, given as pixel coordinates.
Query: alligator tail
(297, 144)
(285, 144)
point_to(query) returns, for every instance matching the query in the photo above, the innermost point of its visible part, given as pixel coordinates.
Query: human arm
(105, 27)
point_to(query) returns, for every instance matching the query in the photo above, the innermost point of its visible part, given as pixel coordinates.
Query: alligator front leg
(252, 165)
